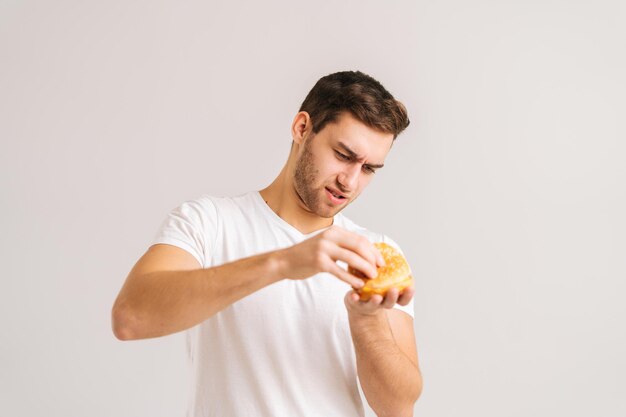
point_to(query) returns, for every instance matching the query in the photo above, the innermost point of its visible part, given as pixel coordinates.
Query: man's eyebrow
(354, 155)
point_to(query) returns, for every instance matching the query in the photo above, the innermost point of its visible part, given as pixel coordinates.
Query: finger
(353, 298)
(374, 301)
(356, 243)
(390, 298)
(406, 296)
(379, 256)
(345, 276)
(354, 260)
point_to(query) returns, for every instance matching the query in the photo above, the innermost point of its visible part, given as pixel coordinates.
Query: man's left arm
(386, 354)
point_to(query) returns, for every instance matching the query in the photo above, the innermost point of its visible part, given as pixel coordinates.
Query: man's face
(341, 158)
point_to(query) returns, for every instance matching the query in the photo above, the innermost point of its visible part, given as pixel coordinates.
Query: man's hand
(377, 302)
(321, 252)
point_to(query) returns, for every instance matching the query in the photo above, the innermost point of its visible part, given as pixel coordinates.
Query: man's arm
(386, 357)
(167, 291)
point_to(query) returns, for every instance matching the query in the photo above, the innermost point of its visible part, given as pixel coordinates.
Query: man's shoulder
(208, 208)
(224, 201)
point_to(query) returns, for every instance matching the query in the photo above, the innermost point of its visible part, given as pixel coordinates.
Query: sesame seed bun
(395, 273)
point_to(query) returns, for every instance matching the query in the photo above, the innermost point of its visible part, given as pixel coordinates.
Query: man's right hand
(321, 252)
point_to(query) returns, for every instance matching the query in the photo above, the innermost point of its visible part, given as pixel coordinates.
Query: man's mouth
(336, 194)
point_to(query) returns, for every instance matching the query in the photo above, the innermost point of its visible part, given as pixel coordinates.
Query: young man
(256, 282)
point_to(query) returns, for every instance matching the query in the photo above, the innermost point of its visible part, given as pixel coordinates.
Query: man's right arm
(167, 291)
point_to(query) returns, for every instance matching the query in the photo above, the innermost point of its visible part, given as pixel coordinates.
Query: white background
(507, 192)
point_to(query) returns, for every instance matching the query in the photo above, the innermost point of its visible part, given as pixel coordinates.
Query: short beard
(305, 176)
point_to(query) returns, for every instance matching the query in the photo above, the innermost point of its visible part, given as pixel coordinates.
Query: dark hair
(359, 94)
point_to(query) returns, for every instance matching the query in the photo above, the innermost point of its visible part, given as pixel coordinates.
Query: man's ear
(301, 127)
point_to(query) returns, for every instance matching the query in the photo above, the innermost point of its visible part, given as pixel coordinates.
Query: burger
(395, 274)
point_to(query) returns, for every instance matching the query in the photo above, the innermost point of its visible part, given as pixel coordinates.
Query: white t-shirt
(285, 350)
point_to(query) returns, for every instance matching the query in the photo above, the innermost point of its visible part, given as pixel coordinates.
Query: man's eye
(370, 170)
(342, 156)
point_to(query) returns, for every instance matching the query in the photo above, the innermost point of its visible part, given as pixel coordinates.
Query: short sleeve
(409, 308)
(192, 226)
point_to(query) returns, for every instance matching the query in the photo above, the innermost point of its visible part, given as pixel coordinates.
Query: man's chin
(333, 210)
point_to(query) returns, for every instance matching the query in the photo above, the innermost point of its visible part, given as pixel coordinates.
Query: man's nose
(349, 177)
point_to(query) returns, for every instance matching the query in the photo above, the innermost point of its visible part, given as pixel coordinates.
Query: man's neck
(282, 198)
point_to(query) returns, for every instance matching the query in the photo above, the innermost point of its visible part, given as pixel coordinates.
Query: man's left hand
(376, 303)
